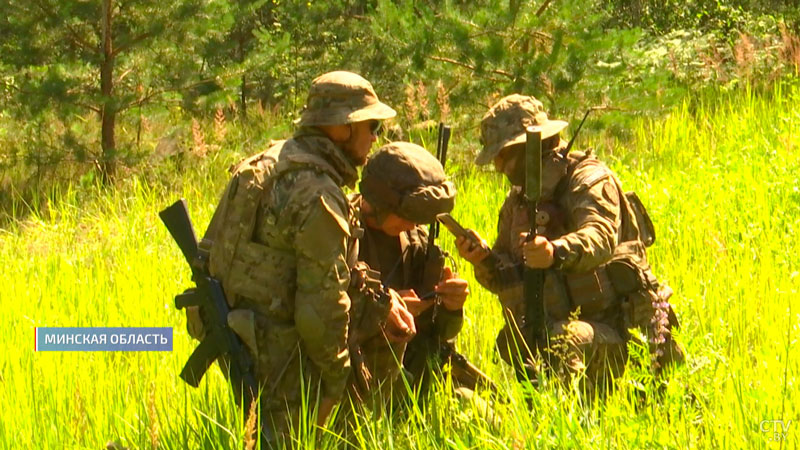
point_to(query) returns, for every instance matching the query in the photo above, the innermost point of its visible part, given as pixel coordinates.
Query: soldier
(283, 247)
(592, 239)
(403, 187)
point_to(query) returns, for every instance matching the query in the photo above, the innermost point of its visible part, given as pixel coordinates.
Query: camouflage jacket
(587, 218)
(290, 265)
(402, 263)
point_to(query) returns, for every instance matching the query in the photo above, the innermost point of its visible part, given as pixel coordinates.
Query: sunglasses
(375, 127)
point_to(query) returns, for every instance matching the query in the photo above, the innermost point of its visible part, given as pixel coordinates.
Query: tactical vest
(263, 275)
(624, 291)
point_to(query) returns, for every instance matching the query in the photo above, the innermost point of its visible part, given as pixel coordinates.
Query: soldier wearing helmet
(284, 247)
(591, 244)
(404, 187)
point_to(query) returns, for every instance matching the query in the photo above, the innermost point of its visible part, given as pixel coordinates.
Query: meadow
(719, 176)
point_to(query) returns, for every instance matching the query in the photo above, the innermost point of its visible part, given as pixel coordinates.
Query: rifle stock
(220, 340)
(466, 374)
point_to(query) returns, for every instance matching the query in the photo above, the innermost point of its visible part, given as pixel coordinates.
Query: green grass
(719, 178)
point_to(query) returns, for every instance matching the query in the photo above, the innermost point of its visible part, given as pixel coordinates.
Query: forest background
(109, 110)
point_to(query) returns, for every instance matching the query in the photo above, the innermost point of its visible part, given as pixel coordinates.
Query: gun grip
(201, 359)
(189, 297)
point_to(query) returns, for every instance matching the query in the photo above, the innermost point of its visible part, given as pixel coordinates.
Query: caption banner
(103, 339)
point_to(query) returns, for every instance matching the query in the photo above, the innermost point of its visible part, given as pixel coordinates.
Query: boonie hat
(340, 98)
(506, 121)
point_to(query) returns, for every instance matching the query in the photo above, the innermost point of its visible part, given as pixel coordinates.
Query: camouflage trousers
(592, 352)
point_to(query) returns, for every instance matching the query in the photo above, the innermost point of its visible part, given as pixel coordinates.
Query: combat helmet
(506, 121)
(405, 179)
(340, 98)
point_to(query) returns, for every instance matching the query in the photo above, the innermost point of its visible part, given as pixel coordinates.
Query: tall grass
(720, 180)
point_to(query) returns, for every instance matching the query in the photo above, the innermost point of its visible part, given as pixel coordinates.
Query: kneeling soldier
(403, 187)
(590, 242)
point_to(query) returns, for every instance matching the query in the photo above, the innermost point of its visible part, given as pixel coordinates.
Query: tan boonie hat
(405, 179)
(340, 98)
(506, 121)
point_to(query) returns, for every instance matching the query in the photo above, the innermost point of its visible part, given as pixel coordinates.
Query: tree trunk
(108, 109)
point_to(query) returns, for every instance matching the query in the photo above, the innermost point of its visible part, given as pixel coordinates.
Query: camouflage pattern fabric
(281, 237)
(405, 179)
(504, 124)
(590, 218)
(340, 98)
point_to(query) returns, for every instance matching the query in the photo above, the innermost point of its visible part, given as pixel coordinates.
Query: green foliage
(718, 177)
(60, 65)
(720, 16)
(431, 59)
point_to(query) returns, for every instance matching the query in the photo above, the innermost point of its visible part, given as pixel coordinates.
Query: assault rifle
(220, 341)
(433, 256)
(533, 279)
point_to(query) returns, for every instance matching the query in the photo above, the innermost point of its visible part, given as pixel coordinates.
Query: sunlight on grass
(719, 178)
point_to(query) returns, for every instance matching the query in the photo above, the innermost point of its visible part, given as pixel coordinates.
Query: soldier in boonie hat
(341, 98)
(504, 125)
(283, 249)
(586, 227)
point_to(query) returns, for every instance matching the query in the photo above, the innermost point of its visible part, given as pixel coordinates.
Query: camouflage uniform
(591, 222)
(406, 180)
(284, 249)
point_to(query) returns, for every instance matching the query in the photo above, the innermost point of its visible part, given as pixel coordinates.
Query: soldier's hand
(400, 323)
(470, 250)
(452, 290)
(413, 303)
(538, 252)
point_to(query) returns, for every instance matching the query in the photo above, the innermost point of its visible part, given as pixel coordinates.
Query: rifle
(220, 341)
(466, 374)
(533, 279)
(433, 256)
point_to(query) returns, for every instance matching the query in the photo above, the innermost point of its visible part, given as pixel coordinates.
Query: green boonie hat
(506, 121)
(405, 179)
(340, 98)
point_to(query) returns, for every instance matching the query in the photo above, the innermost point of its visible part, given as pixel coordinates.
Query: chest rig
(597, 293)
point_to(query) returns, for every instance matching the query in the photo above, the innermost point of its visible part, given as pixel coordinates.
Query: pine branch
(142, 100)
(76, 37)
(29, 94)
(508, 75)
(542, 8)
(123, 75)
(127, 45)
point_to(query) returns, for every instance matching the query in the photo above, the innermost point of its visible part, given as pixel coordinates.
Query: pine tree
(106, 56)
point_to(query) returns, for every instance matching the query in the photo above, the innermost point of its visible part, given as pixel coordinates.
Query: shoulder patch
(610, 193)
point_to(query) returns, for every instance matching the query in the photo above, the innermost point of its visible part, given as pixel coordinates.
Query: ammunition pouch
(370, 302)
(592, 292)
(262, 278)
(645, 301)
(629, 270)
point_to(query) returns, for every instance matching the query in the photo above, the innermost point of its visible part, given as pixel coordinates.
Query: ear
(337, 133)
